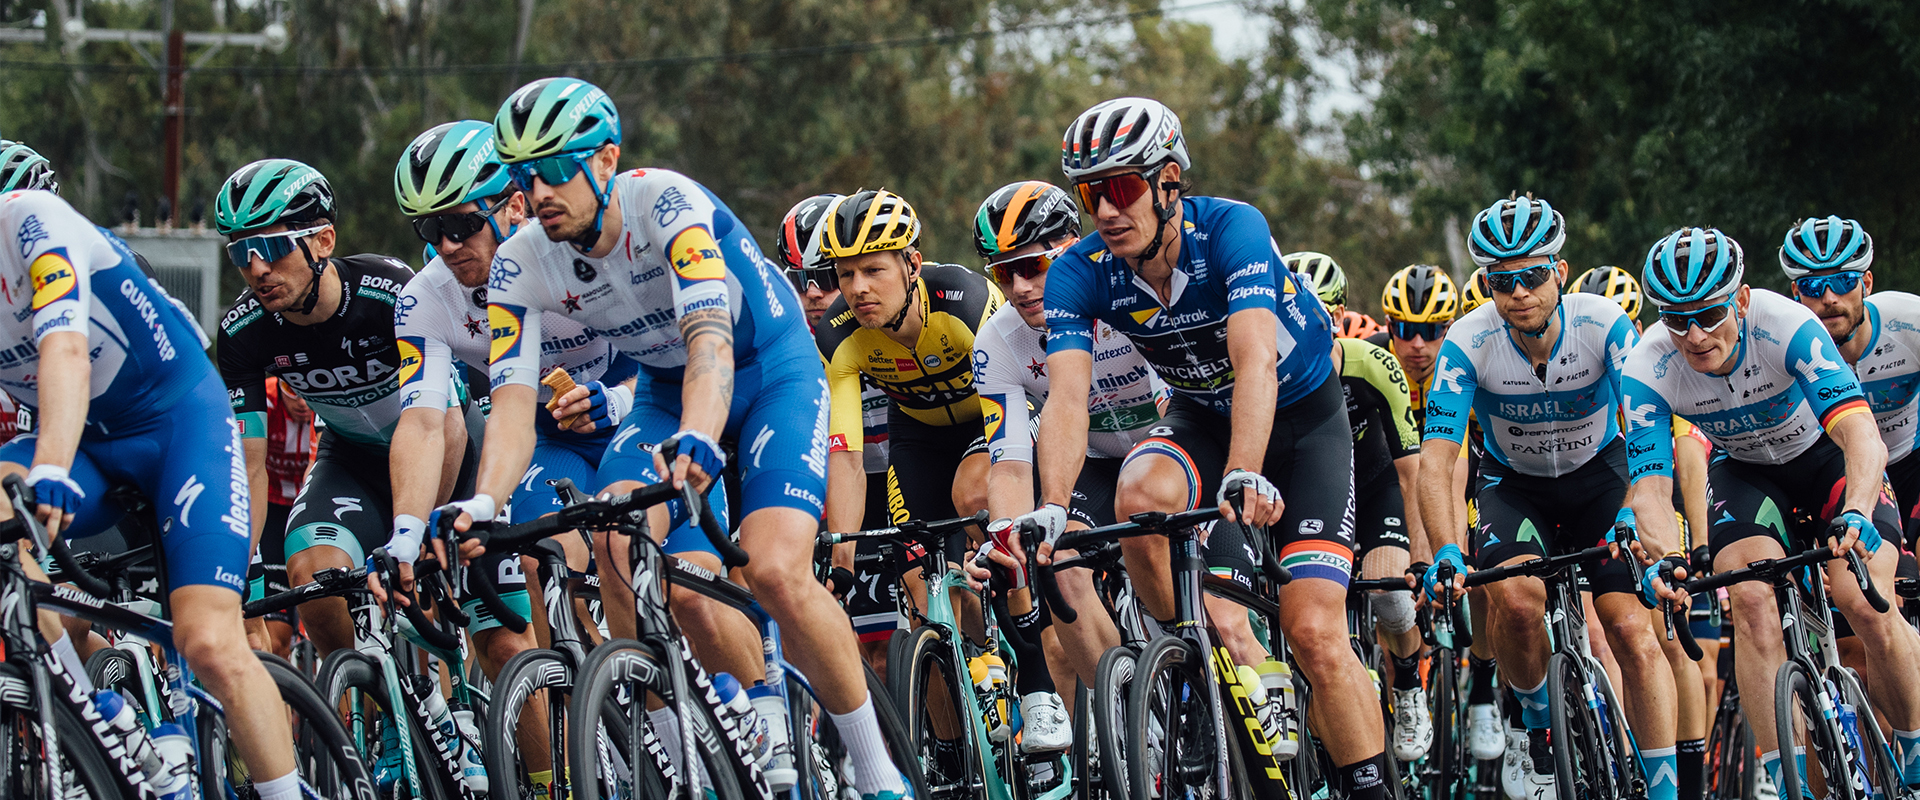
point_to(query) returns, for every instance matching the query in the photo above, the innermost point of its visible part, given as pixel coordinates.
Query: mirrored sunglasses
(269, 247)
(1531, 277)
(827, 278)
(1430, 331)
(1840, 283)
(1121, 190)
(1708, 319)
(554, 170)
(1028, 266)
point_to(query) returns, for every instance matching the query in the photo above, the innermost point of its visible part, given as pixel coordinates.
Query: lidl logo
(994, 415)
(53, 278)
(506, 333)
(696, 257)
(410, 360)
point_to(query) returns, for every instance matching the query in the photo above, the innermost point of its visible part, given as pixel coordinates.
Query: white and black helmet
(1125, 132)
(1818, 243)
(1517, 227)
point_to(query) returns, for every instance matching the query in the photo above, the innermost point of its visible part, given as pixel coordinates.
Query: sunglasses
(1840, 283)
(554, 170)
(1027, 266)
(827, 278)
(1120, 190)
(1430, 331)
(1531, 277)
(1709, 319)
(455, 227)
(269, 247)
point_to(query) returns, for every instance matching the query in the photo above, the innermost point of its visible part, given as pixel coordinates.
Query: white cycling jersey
(1786, 387)
(438, 321)
(1889, 370)
(1545, 424)
(1010, 364)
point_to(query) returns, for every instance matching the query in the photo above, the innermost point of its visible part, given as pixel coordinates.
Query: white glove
(52, 486)
(481, 508)
(409, 532)
(1050, 520)
(608, 404)
(1251, 483)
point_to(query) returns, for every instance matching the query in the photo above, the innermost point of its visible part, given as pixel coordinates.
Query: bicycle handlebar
(429, 629)
(25, 525)
(331, 582)
(1678, 626)
(1770, 570)
(911, 529)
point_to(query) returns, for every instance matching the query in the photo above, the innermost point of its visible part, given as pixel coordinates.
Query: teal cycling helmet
(1830, 243)
(22, 167)
(555, 116)
(274, 190)
(449, 165)
(1691, 265)
(1517, 227)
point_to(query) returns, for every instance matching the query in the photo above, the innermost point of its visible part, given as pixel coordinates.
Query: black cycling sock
(1033, 674)
(1366, 780)
(1691, 761)
(1510, 708)
(1406, 672)
(1480, 685)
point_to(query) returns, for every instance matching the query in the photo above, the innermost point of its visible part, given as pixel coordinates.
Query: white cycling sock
(667, 727)
(285, 787)
(70, 661)
(873, 770)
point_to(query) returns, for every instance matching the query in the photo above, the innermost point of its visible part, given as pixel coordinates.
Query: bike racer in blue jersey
(1760, 376)
(1541, 371)
(1198, 285)
(122, 394)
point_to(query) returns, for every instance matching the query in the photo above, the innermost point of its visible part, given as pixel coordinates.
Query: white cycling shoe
(1045, 726)
(1412, 729)
(1516, 765)
(1484, 738)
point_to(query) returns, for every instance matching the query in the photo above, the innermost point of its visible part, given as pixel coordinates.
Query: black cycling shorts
(1093, 492)
(267, 575)
(924, 460)
(1309, 458)
(1525, 515)
(1904, 477)
(1764, 500)
(1380, 515)
(873, 602)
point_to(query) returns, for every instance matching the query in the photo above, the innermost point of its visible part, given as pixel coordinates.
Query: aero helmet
(799, 232)
(1420, 293)
(1615, 284)
(1518, 227)
(1693, 264)
(274, 190)
(1127, 132)
(21, 167)
(1328, 280)
(868, 221)
(449, 165)
(1024, 213)
(1830, 243)
(1477, 292)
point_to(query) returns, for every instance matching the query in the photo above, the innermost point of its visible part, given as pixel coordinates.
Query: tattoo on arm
(709, 337)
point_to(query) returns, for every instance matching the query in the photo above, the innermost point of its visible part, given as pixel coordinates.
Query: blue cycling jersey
(1546, 423)
(1785, 387)
(1889, 370)
(1228, 263)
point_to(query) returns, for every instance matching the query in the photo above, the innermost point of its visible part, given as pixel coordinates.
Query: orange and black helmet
(1024, 213)
(1355, 325)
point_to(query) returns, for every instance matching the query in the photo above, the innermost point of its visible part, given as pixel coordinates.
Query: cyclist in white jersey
(1541, 371)
(1759, 375)
(657, 265)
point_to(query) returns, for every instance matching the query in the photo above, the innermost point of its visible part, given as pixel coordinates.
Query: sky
(1239, 33)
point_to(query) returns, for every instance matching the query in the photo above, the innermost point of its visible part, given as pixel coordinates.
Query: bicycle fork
(1190, 606)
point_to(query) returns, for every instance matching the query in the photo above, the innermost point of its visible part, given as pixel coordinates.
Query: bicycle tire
(23, 750)
(1581, 753)
(1882, 771)
(1730, 761)
(328, 762)
(1108, 711)
(1630, 777)
(1444, 709)
(521, 679)
(912, 659)
(1169, 688)
(627, 663)
(1794, 698)
(343, 672)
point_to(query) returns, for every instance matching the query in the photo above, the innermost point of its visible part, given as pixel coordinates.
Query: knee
(503, 644)
(217, 659)
(780, 585)
(1150, 484)
(1632, 635)
(1517, 610)
(1319, 642)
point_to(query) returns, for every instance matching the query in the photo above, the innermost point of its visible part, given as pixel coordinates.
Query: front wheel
(1172, 742)
(352, 682)
(926, 685)
(533, 690)
(1583, 756)
(1799, 718)
(324, 754)
(609, 710)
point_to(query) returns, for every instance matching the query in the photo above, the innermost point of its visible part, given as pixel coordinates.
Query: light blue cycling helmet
(452, 164)
(552, 116)
(1517, 227)
(1691, 265)
(1830, 243)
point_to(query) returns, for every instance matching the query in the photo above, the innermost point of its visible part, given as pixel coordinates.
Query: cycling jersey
(1416, 387)
(873, 412)
(1787, 385)
(1010, 363)
(1545, 423)
(345, 366)
(289, 449)
(1379, 410)
(1889, 369)
(1228, 263)
(931, 382)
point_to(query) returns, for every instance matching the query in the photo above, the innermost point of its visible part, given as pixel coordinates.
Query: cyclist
(289, 453)
(22, 167)
(1386, 463)
(1475, 294)
(1020, 229)
(1541, 371)
(656, 264)
(1197, 284)
(121, 395)
(1763, 380)
(1690, 449)
(1329, 281)
(323, 325)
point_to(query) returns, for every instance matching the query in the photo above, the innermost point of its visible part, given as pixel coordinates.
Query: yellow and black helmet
(1615, 284)
(1477, 292)
(868, 221)
(1420, 293)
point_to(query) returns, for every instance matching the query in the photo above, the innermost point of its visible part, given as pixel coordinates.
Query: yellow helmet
(868, 221)
(1420, 293)
(1615, 284)
(1477, 292)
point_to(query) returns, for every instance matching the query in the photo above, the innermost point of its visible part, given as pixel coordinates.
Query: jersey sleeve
(1649, 420)
(58, 246)
(846, 416)
(516, 296)
(1384, 375)
(1243, 246)
(426, 359)
(1069, 304)
(1003, 400)
(1451, 395)
(241, 370)
(686, 219)
(1828, 382)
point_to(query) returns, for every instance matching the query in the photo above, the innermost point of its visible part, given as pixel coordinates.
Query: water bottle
(1850, 723)
(735, 698)
(1277, 677)
(446, 735)
(175, 748)
(989, 675)
(772, 709)
(472, 771)
(114, 709)
(1266, 708)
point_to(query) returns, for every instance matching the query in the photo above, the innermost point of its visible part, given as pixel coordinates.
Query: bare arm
(1408, 469)
(257, 478)
(1010, 488)
(1859, 437)
(509, 442)
(1062, 443)
(1250, 348)
(846, 500)
(66, 377)
(416, 460)
(1438, 495)
(1690, 469)
(1658, 530)
(706, 394)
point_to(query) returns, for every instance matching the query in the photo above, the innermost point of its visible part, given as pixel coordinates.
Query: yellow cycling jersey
(931, 382)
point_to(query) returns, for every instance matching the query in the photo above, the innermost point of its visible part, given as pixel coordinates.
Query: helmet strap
(1160, 212)
(591, 236)
(1543, 326)
(313, 287)
(489, 213)
(913, 294)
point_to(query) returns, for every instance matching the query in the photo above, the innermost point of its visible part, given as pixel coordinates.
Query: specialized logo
(696, 256)
(759, 446)
(342, 505)
(189, 492)
(410, 358)
(53, 278)
(506, 333)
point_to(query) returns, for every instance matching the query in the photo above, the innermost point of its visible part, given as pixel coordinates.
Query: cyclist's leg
(1512, 529)
(924, 460)
(1083, 641)
(1891, 646)
(1163, 473)
(267, 575)
(1750, 525)
(340, 515)
(1380, 534)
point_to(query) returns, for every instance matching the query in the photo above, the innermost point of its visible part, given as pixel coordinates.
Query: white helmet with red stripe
(1125, 132)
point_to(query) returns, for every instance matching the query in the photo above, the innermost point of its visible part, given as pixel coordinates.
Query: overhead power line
(632, 64)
